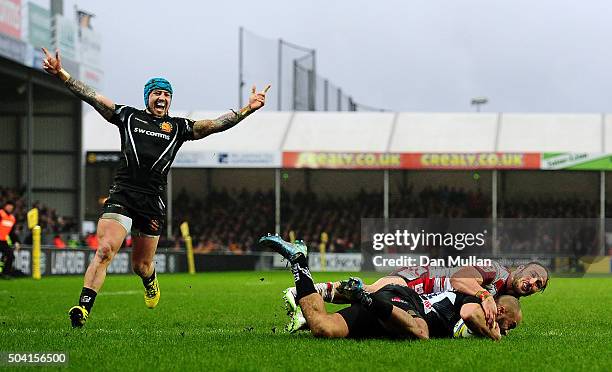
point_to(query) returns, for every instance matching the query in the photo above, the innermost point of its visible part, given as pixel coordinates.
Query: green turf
(234, 321)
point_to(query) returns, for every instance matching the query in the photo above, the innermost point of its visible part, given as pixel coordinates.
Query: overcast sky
(525, 56)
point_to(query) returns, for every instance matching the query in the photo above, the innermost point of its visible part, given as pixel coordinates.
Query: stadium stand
(50, 222)
(229, 207)
(227, 221)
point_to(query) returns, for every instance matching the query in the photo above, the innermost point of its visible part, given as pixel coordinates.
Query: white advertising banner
(339, 262)
(227, 159)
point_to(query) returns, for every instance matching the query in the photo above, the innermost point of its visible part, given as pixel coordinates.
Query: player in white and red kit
(425, 279)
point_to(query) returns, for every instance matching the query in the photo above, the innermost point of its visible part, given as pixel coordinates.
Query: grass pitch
(234, 321)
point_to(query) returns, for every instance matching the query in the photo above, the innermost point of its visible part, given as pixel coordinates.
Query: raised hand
(51, 64)
(258, 100)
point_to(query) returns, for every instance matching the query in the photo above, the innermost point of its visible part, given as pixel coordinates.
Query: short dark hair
(510, 301)
(544, 285)
(9, 202)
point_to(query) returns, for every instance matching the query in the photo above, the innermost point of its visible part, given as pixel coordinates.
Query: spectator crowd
(50, 222)
(230, 221)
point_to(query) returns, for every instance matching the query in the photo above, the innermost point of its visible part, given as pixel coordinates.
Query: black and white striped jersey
(148, 147)
(442, 310)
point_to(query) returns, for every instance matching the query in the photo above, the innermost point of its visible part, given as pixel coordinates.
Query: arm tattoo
(202, 128)
(89, 95)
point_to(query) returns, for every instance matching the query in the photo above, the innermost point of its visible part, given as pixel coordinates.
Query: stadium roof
(389, 132)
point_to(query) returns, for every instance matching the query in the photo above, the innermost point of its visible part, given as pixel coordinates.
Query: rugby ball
(461, 330)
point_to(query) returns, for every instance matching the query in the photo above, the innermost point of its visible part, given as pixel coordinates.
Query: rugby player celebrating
(395, 311)
(150, 139)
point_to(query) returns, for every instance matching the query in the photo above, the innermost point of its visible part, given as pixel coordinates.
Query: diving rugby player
(393, 311)
(484, 282)
(150, 139)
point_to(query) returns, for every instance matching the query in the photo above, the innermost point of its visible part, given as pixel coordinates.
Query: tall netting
(321, 94)
(259, 61)
(303, 94)
(338, 100)
(291, 69)
(362, 107)
(329, 97)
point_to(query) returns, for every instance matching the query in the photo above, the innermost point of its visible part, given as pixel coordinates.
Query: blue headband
(155, 83)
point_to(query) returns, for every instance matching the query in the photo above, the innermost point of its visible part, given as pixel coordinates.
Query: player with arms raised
(150, 139)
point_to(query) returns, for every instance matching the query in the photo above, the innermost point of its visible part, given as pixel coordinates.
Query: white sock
(326, 290)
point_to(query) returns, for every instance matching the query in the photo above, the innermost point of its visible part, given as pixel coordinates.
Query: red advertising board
(10, 18)
(373, 160)
(475, 160)
(345, 160)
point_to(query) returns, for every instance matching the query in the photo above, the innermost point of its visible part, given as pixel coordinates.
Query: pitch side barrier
(74, 261)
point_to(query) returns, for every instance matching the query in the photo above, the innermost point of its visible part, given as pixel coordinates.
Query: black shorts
(363, 323)
(147, 212)
(8, 256)
(5, 249)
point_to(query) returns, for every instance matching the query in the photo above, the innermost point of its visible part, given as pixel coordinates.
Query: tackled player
(484, 282)
(393, 311)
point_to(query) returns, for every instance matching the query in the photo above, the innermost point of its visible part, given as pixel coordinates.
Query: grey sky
(526, 56)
